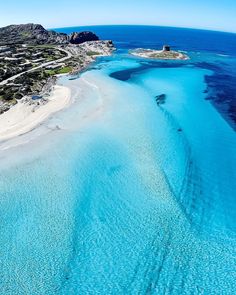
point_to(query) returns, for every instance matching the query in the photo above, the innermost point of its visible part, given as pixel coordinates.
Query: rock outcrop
(78, 38)
(30, 33)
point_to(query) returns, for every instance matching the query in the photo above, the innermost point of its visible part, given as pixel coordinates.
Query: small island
(166, 53)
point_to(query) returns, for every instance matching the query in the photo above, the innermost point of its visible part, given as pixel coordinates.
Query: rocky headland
(78, 38)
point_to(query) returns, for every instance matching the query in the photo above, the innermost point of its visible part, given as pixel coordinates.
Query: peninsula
(166, 53)
(31, 57)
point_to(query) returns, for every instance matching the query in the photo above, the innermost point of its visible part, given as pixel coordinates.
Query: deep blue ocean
(120, 193)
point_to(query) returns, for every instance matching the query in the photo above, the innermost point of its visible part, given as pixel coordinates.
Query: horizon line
(145, 25)
(135, 25)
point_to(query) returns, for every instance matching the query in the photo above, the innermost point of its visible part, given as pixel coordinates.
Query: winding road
(69, 55)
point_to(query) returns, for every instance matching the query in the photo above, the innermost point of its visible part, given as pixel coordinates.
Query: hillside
(37, 34)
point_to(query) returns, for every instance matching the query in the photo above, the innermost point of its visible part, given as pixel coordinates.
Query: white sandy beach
(23, 117)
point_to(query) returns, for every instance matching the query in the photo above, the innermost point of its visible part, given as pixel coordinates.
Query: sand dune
(24, 117)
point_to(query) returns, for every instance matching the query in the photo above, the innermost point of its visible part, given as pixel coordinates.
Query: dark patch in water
(125, 75)
(160, 99)
(221, 90)
(207, 66)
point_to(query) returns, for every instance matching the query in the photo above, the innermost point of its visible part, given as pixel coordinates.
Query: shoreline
(23, 117)
(20, 118)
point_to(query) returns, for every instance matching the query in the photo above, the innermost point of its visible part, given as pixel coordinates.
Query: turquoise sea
(118, 194)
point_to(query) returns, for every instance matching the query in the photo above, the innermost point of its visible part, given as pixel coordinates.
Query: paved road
(69, 55)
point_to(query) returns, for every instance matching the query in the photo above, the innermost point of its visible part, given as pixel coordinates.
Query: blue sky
(205, 14)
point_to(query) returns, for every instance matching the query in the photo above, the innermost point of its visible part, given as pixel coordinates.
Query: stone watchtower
(166, 48)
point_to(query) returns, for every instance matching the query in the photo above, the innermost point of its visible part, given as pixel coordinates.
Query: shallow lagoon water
(128, 196)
